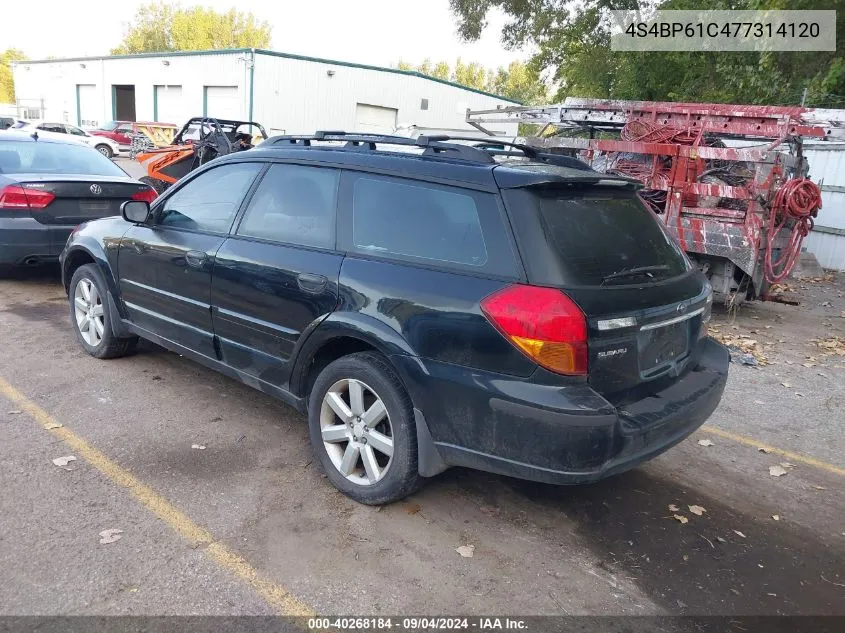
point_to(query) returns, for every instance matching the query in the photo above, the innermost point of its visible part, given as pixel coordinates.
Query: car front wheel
(362, 429)
(105, 150)
(90, 313)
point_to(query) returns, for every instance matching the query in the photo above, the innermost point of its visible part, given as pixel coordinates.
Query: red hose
(798, 200)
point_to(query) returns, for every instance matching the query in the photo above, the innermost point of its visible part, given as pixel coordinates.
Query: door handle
(311, 283)
(196, 259)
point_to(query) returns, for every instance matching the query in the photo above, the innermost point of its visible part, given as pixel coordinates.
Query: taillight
(545, 324)
(17, 197)
(147, 194)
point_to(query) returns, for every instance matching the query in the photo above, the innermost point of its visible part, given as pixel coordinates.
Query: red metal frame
(669, 147)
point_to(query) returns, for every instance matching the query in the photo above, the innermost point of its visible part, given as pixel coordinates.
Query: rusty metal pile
(728, 181)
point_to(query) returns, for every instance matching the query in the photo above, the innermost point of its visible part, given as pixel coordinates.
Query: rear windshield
(111, 125)
(33, 157)
(601, 238)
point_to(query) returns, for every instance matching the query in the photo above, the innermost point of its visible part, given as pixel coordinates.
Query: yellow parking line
(768, 448)
(274, 594)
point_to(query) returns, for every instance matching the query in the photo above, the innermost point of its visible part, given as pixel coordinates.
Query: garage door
(88, 108)
(370, 118)
(222, 102)
(168, 106)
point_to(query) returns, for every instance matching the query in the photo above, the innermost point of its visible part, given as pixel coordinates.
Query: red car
(121, 131)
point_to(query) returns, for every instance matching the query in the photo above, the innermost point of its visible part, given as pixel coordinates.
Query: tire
(105, 150)
(398, 474)
(159, 185)
(99, 342)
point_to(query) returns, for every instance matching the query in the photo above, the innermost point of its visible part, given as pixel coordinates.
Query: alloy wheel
(88, 309)
(356, 431)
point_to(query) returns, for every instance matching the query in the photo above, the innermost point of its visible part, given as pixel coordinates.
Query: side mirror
(137, 211)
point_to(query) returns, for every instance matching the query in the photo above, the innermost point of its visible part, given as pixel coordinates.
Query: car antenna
(34, 136)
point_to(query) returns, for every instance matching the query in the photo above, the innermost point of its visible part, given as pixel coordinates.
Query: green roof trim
(259, 51)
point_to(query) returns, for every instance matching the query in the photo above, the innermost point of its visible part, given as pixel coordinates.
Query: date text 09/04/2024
(417, 623)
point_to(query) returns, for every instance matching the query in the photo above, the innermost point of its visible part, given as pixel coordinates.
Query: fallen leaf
(738, 533)
(799, 394)
(808, 365)
(199, 447)
(681, 518)
(686, 556)
(776, 517)
(412, 508)
(763, 449)
(720, 539)
(819, 488)
(466, 550)
(697, 510)
(15, 412)
(110, 536)
(705, 443)
(53, 425)
(379, 508)
(786, 384)
(64, 461)
(735, 592)
(759, 402)
(673, 508)
(787, 465)
(777, 471)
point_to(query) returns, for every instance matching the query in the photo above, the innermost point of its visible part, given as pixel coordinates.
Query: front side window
(417, 221)
(295, 205)
(74, 130)
(210, 201)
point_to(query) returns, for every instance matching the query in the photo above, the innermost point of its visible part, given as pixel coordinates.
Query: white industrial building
(285, 93)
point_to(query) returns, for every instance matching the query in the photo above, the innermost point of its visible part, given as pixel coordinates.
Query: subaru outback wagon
(426, 303)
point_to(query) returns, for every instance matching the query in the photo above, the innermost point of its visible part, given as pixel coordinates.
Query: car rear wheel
(363, 431)
(90, 312)
(105, 150)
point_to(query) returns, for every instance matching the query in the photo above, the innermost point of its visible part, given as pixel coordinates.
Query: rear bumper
(24, 239)
(559, 434)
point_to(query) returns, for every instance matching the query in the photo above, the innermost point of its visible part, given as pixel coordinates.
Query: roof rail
(435, 146)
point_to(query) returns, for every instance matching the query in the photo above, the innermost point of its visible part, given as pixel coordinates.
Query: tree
(7, 82)
(519, 81)
(160, 27)
(572, 39)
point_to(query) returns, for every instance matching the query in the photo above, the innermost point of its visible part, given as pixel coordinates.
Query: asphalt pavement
(248, 524)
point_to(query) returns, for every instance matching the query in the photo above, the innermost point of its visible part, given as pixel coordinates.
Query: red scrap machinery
(728, 181)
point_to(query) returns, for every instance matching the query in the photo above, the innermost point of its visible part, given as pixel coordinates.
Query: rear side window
(295, 205)
(597, 238)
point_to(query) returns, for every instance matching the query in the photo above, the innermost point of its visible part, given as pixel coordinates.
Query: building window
(424, 104)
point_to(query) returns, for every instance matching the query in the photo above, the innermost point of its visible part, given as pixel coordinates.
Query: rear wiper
(629, 272)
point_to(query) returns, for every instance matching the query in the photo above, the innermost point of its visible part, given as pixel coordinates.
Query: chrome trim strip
(683, 317)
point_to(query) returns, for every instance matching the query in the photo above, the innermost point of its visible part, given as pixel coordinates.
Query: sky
(378, 32)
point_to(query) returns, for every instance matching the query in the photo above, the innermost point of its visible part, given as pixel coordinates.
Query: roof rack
(486, 150)
(431, 146)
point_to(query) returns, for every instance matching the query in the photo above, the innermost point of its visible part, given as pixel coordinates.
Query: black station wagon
(426, 303)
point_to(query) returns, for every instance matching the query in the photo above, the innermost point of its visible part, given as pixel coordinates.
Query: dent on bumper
(565, 435)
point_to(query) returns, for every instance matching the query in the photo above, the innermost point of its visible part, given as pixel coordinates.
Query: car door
(121, 134)
(165, 266)
(277, 273)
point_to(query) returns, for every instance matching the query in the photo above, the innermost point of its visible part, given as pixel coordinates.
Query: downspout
(251, 81)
